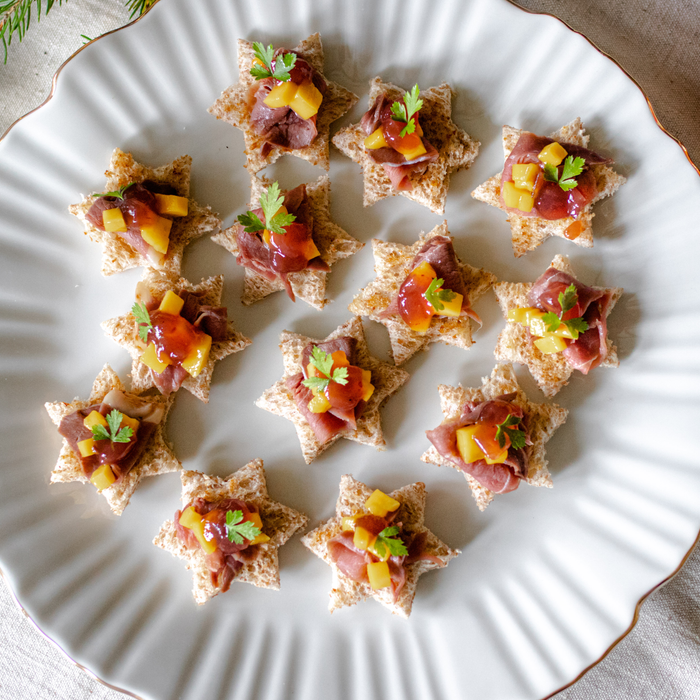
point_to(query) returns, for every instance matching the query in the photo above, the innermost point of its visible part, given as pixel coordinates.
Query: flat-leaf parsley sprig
(140, 313)
(323, 362)
(270, 202)
(237, 529)
(517, 437)
(114, 434)
(573, 167)
(119, 194)
(283, 63)
(404, 111)
(567, 300)
(435, 297)
(387, 540)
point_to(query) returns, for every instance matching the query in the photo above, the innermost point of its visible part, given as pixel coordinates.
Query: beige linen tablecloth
(656, 42)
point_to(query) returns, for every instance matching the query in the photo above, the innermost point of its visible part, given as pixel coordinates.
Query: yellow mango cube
(515, 198)
(553, 154)
(129, 422)
(347, 523)
(384, 556)
(379, 575)
(157, 234)
(362, 538)
(150, 359)
(310, 250)
(537, 326)
(563, 332)
(376, 140)
(307, 100)
(172, 205)
(319, 403)
(86, 447)
(550, 344)
(497, 460)
(367, 384)
(198, 357)
(281, 95)
(453, 307)
(171, 303)
(421, 326)
(412, 153)
(260, 539)
(524, 176)
(103, 477)
(380, 504)
(524, 314)
(94, 418)
(192, 520)
(113, 220)
(467, 448)
(257, 521)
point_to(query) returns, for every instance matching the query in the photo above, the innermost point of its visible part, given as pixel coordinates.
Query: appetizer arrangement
(229, 530)
(494, 435)
(377, 546)
(422, 293)
(287, 241)
(145, 217)
(175, 334)
(332, 388)
(549, 185)
(113, 439)
(283, 103)
(556, 325)
(407, 144)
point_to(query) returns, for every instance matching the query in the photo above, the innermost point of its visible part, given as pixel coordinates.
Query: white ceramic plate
(547, 579)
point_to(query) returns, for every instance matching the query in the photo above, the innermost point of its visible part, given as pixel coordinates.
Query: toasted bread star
(333, 242)
(457, 150)
(550, 371)
(117, 254)
(392, 263)
(529, 232)
(386, 379)
(158, 457)
(279, 523)
(540, 419)
(233, 108)
(351, 500)
(124, 330)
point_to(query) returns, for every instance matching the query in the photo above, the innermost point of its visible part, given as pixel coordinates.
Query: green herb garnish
(387, 540)
(119, 194)
(283, 63)
(404, 111)
(270, 202)
(572, 168)
(435, 297)
(517, 437)
(567, 300)
(323, 362)
(237, 528)
(114, 420)
(140, 313)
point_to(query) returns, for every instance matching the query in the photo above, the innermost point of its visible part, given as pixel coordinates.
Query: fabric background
(656, 42)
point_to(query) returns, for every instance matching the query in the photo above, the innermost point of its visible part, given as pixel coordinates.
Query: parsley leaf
(404, 111)
(271, 200)
(572, 168)
(435, 297)
(567, 300)
(119, 194)
(517, 437)
(323, 362)
(283, 63)
(237, 529)
(387, 540)
(552, 321)
(114, 420)
(140, 313)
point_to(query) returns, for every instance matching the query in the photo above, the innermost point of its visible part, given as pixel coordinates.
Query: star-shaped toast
(117, 254)
(333, 242)
(392, 263)
(158, 457)
(247, 484)
(457, 150)
(541, 420)
(386, 379)
(233, 108)
(351, 499)
(125, 331)
(529, 232)
(551, 371)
